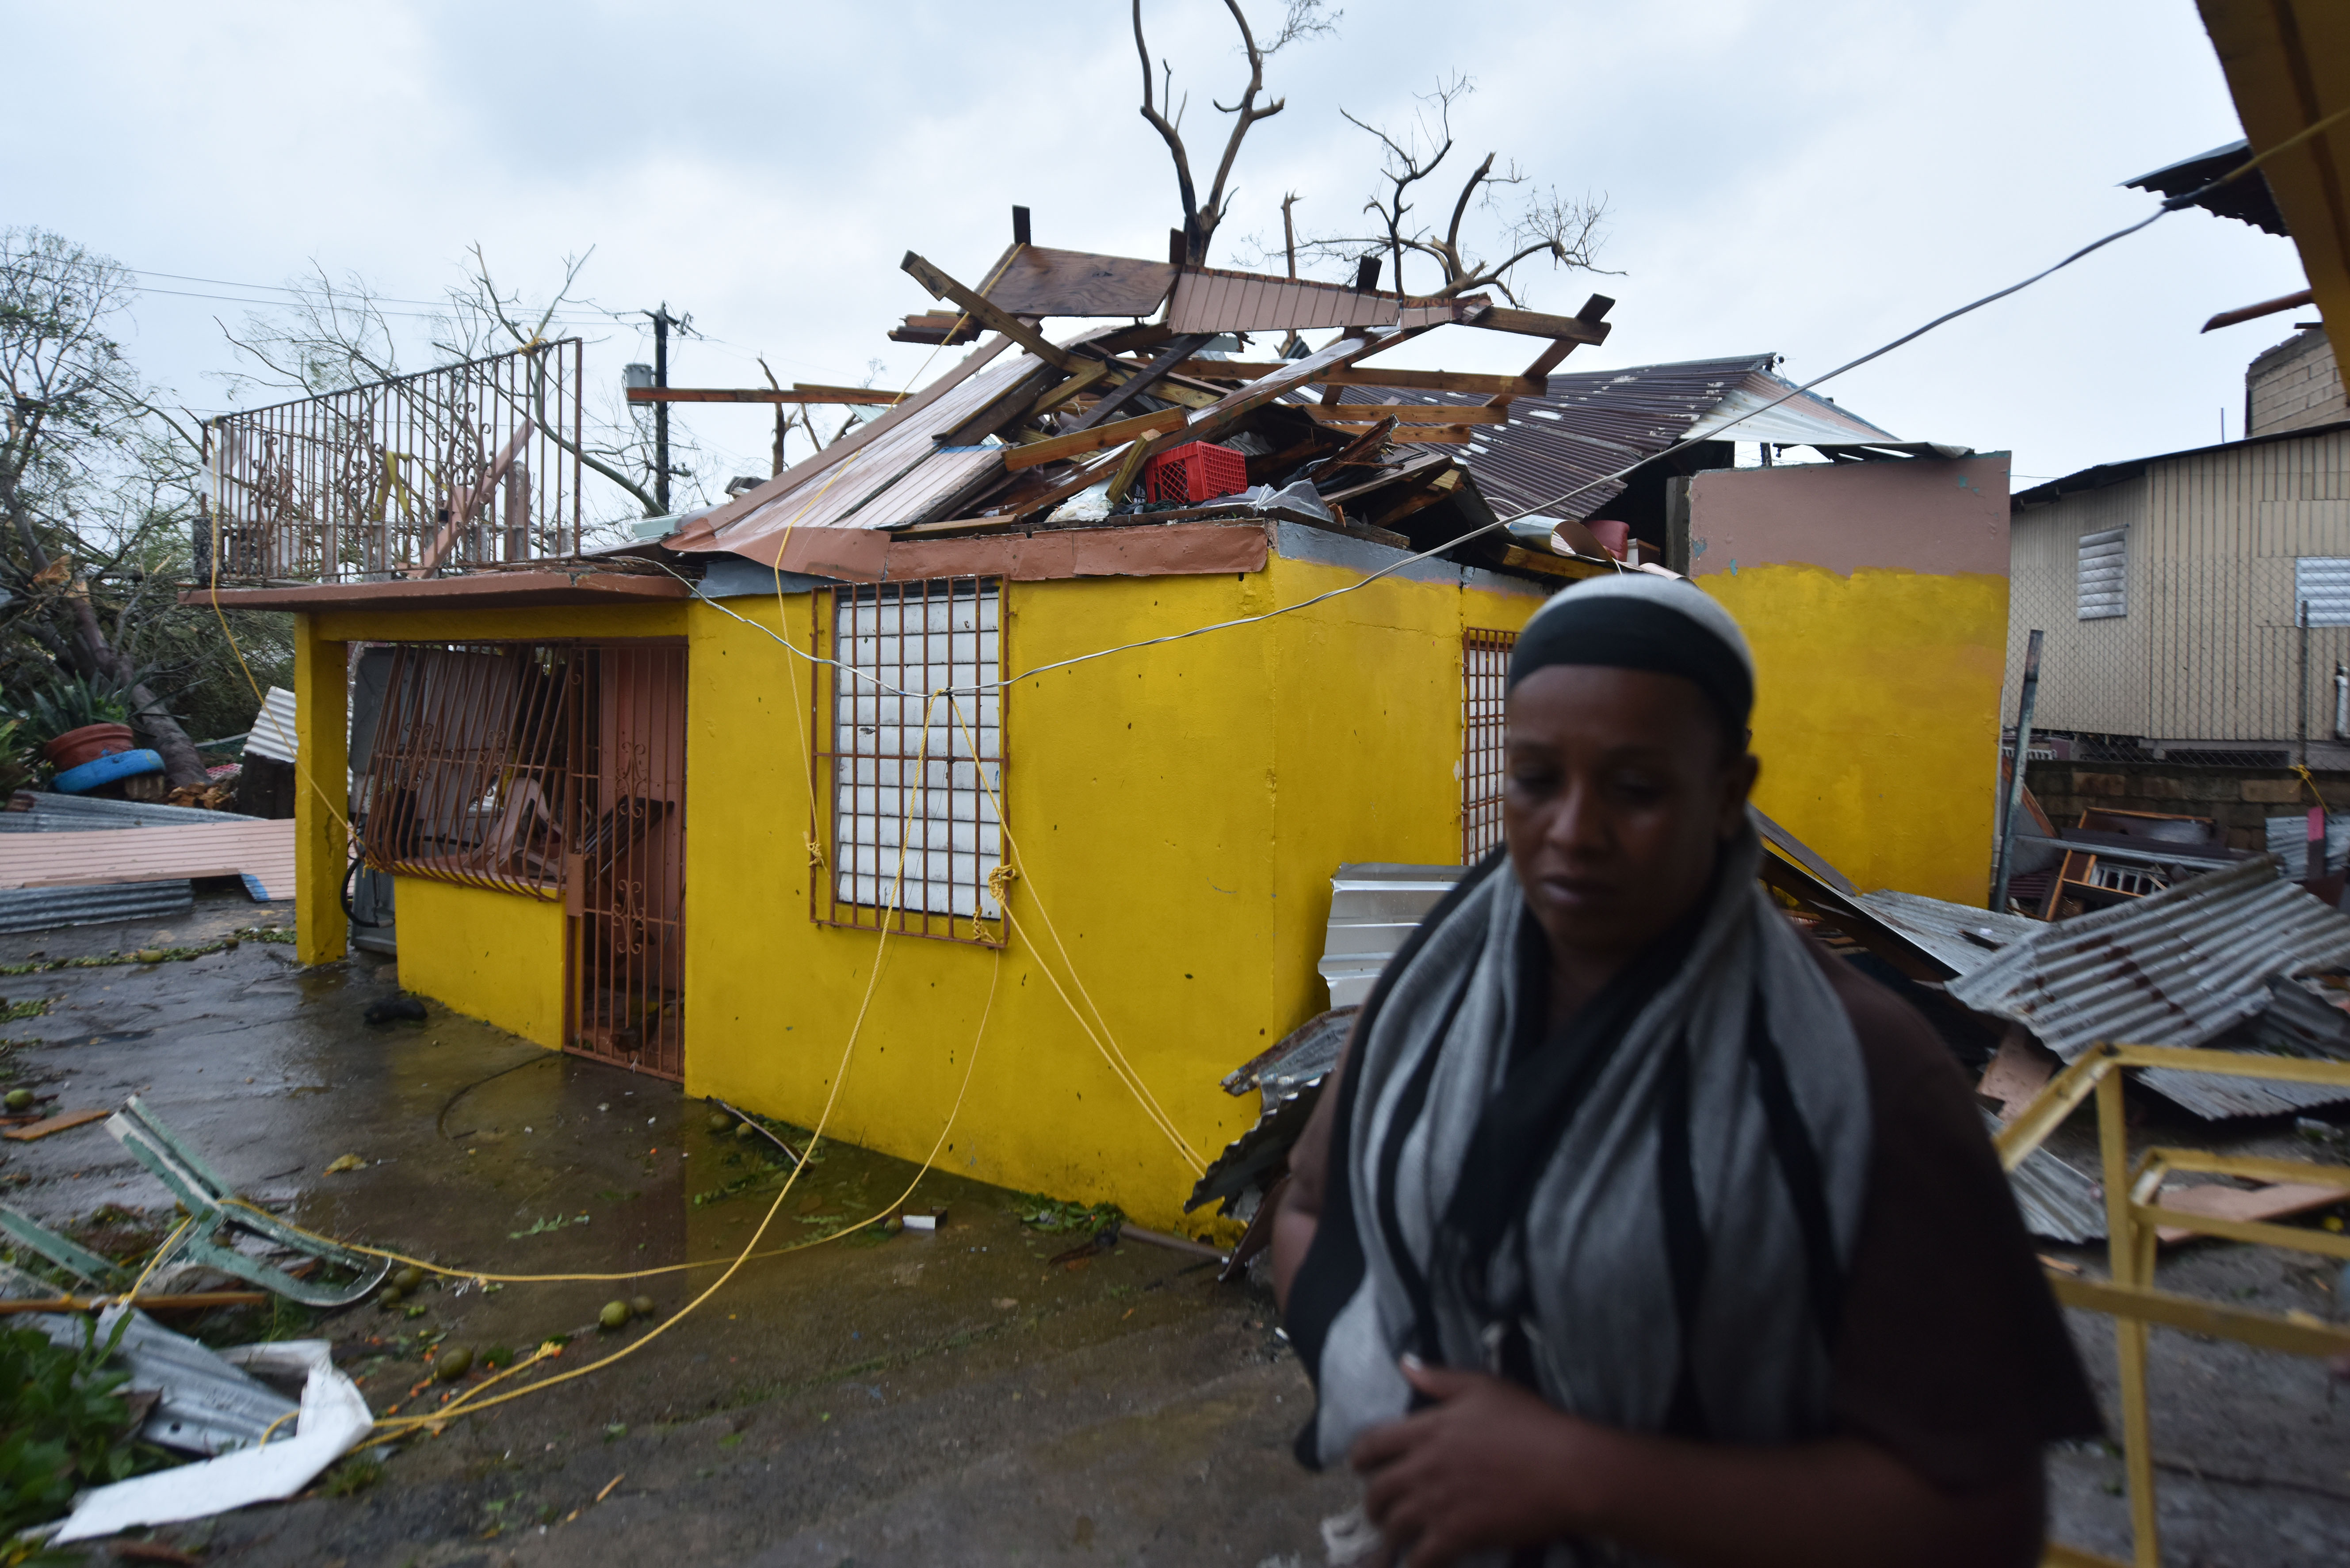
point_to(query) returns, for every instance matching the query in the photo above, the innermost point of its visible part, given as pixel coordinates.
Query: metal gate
(625, 881)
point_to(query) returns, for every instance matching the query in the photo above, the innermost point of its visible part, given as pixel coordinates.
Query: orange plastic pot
(87, 744)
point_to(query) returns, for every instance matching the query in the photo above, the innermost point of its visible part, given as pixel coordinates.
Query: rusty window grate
(900, 770)
(469, 778)
(1485, 681)
(626, 865)
(553, 770)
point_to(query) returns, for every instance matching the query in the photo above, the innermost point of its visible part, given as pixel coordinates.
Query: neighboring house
(2171, 587)
(657, 807)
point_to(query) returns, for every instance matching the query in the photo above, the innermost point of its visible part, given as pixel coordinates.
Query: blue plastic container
(105, 770)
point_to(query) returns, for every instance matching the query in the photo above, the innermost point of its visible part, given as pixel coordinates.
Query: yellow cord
(156, 1258)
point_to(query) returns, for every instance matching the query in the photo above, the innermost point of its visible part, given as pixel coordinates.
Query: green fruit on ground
(149, 955)
(642, 1305)
(720, 1121)
(409, 1278)
(614, 1316)
(453, 1365)
(19, 1099)
(745, 1131)
(390, 1297)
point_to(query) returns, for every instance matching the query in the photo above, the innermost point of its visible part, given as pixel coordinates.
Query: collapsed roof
(1027, 433)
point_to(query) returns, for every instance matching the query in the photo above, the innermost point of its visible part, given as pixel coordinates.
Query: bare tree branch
(1301, 19)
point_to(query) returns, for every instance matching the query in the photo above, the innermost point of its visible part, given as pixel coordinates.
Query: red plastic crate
(1196, 470)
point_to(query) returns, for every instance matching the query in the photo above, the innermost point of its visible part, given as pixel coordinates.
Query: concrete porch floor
(950, 1397)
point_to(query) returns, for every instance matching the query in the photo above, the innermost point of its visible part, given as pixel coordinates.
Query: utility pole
(661, 322)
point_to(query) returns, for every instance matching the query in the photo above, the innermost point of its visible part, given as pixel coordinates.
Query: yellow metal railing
(2132, 1216)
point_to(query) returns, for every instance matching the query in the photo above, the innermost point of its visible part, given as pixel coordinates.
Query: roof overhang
(481, 590)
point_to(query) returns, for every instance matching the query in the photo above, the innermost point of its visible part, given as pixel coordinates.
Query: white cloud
(1810, 180)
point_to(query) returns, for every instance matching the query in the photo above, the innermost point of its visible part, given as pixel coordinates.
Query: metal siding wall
(2092, 672)
(2209, 651)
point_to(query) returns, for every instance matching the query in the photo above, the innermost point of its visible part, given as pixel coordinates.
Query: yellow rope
(158, 1255)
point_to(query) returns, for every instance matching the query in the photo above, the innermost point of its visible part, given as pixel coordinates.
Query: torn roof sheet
(1592, 423)
(1961, 938)
(2176, 968)
(1037, 280)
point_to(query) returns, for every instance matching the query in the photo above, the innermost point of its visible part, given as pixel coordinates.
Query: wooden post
(2127, 1262)
(321, 846)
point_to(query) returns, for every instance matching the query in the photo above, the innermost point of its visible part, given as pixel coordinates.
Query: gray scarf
(1651, 1227)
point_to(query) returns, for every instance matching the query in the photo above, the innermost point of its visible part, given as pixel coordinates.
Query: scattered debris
(2218, 1201)
(56, 1123)
(345, 1162)
(399, 1007)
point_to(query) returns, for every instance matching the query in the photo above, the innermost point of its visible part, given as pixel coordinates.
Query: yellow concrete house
(996, 761)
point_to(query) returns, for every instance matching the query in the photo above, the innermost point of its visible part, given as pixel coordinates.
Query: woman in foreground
(1633, 1226)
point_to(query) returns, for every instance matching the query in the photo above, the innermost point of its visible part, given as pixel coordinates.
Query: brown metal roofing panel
(1211, 299)
(262, 851)
(1036, 281)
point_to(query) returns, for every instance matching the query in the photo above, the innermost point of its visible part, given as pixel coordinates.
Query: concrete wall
(2238, 799)
(2293, 386)
(1177, 812)
(489, 955)
(1874, 596)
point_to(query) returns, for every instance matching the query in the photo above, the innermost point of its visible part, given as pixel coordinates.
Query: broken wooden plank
(464, 502)
(1085, 380)
(1146, 380)
(988, 315)
(1569, 330)
(1052, 449)
(1405, 413)
(943, 328)
(799, 392)
(1122, 478)
(62, 1121)
(2216, 1201)
(1419, 435)
(194, 1301)
(1595, 312)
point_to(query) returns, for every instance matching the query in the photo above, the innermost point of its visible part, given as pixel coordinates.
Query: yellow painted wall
(493, 956)
(1877, 716)
(1178, 812)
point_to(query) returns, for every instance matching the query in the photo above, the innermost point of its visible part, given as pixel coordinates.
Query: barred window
(915, 724)
(1484, 678)
(2103, 584)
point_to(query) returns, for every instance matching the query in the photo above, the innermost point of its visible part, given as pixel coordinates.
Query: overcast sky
(1809, 178)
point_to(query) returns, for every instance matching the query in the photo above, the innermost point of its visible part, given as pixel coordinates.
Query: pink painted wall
(1923, 514)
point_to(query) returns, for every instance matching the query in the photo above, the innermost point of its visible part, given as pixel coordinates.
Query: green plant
(16, 757)
(62, 1426)
(352, 1475)
(1056, 1218)
(69, 703)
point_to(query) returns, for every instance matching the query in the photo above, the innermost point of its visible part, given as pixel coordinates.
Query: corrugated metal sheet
(1374, 905)
(85, 814)
(2101, 577)
(273, 733)
(2180, 967)
(2288, 840)
(1595, 422)
(1961, 936)
(1210, 300)
(2057, 1201)
(47, 908)
(260, 852)
(901, 476)
(2295, 1023)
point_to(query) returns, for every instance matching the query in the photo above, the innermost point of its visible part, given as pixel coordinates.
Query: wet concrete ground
(950, 1397)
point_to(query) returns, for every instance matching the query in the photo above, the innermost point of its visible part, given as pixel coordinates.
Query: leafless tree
(1540, 221)
(99, 487)
(1301, 19)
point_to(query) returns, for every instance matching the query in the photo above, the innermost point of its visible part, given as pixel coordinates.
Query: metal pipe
(660, 409)
(2341, 702)
(2300, 620)
(2015, 781)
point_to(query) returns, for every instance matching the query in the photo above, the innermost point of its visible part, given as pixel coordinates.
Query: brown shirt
(1952, 1355)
